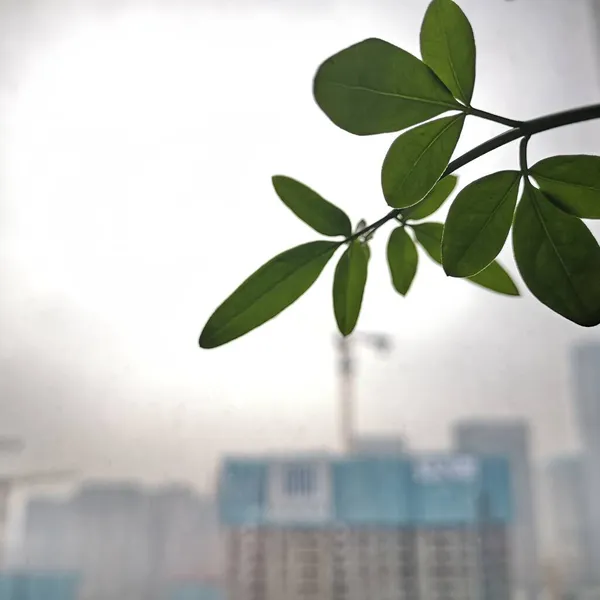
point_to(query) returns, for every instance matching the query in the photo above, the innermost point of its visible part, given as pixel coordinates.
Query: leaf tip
(513, 291)
(207, 340)
(204, 342)
(447, 270)
(275, 179)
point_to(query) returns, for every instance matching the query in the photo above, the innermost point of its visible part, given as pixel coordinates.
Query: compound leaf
(434, 199)
(572, 182)
(429, 236)
(417, 159)
(271, 289)
(403, 260)
(495, 278)
(558, 258)
(375, 87)
(478, 223)
(349, 286)
(448, 47)
(310, 207)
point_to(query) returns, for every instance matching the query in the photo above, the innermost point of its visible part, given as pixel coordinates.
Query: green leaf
(558, 258)
(429, 235)
(436, 197)
(375, 87)
(367, 250)
(572, 182)
(314, 210)
(448, 47)
(417, 159)
(349, 286)
(495, 278)
(403, 259)
(271, 289)
(478, 223)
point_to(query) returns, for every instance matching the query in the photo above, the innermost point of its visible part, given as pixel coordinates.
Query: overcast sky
(137, 146)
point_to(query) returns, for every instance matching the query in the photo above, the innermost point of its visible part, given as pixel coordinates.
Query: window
(300, 480)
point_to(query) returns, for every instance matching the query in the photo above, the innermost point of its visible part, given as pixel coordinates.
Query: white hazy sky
(136, 150)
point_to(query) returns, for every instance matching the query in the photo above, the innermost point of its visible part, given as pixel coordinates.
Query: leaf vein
(400, 184)
(558, 254)
(267, 290)
(572, 183)
(361, 88)
(489, 218)
(450, 61)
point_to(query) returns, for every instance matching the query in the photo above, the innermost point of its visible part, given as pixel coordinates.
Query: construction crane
(346, 369)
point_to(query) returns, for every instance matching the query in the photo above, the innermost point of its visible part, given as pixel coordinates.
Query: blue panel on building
(194, 591)
(50, 587)
(6, 587)
(444, 503)
(353, 493)
(38, 586)
(447, 490)
(242, 492)
(496, 490)
(371, 491)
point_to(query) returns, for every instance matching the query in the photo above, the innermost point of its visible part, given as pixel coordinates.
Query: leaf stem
(525, 129)
(523, 156)
(373, 226)
(492, 117)
(545, 123)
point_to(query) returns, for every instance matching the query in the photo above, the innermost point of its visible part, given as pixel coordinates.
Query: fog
(137, 142)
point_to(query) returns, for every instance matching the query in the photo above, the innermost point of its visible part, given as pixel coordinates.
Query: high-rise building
(586, 381)
(566, 494)
(366, 528)
(510, 439)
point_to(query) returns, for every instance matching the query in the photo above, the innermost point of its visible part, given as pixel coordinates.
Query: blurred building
(378, 445)
(51, 541)
(194, 590)
(366, 528)
(124, 540)
(38, 586)
(510, 439)
(586, 380)
(566, 492)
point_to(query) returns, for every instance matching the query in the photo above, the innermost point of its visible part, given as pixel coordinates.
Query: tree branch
(526, 129)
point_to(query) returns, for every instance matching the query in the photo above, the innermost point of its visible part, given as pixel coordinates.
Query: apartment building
(366, 528)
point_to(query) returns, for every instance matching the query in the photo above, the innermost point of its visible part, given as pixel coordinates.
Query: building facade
(510, 439)
(566, 492)
(366, 528)
(124, 540)
(38, 586)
